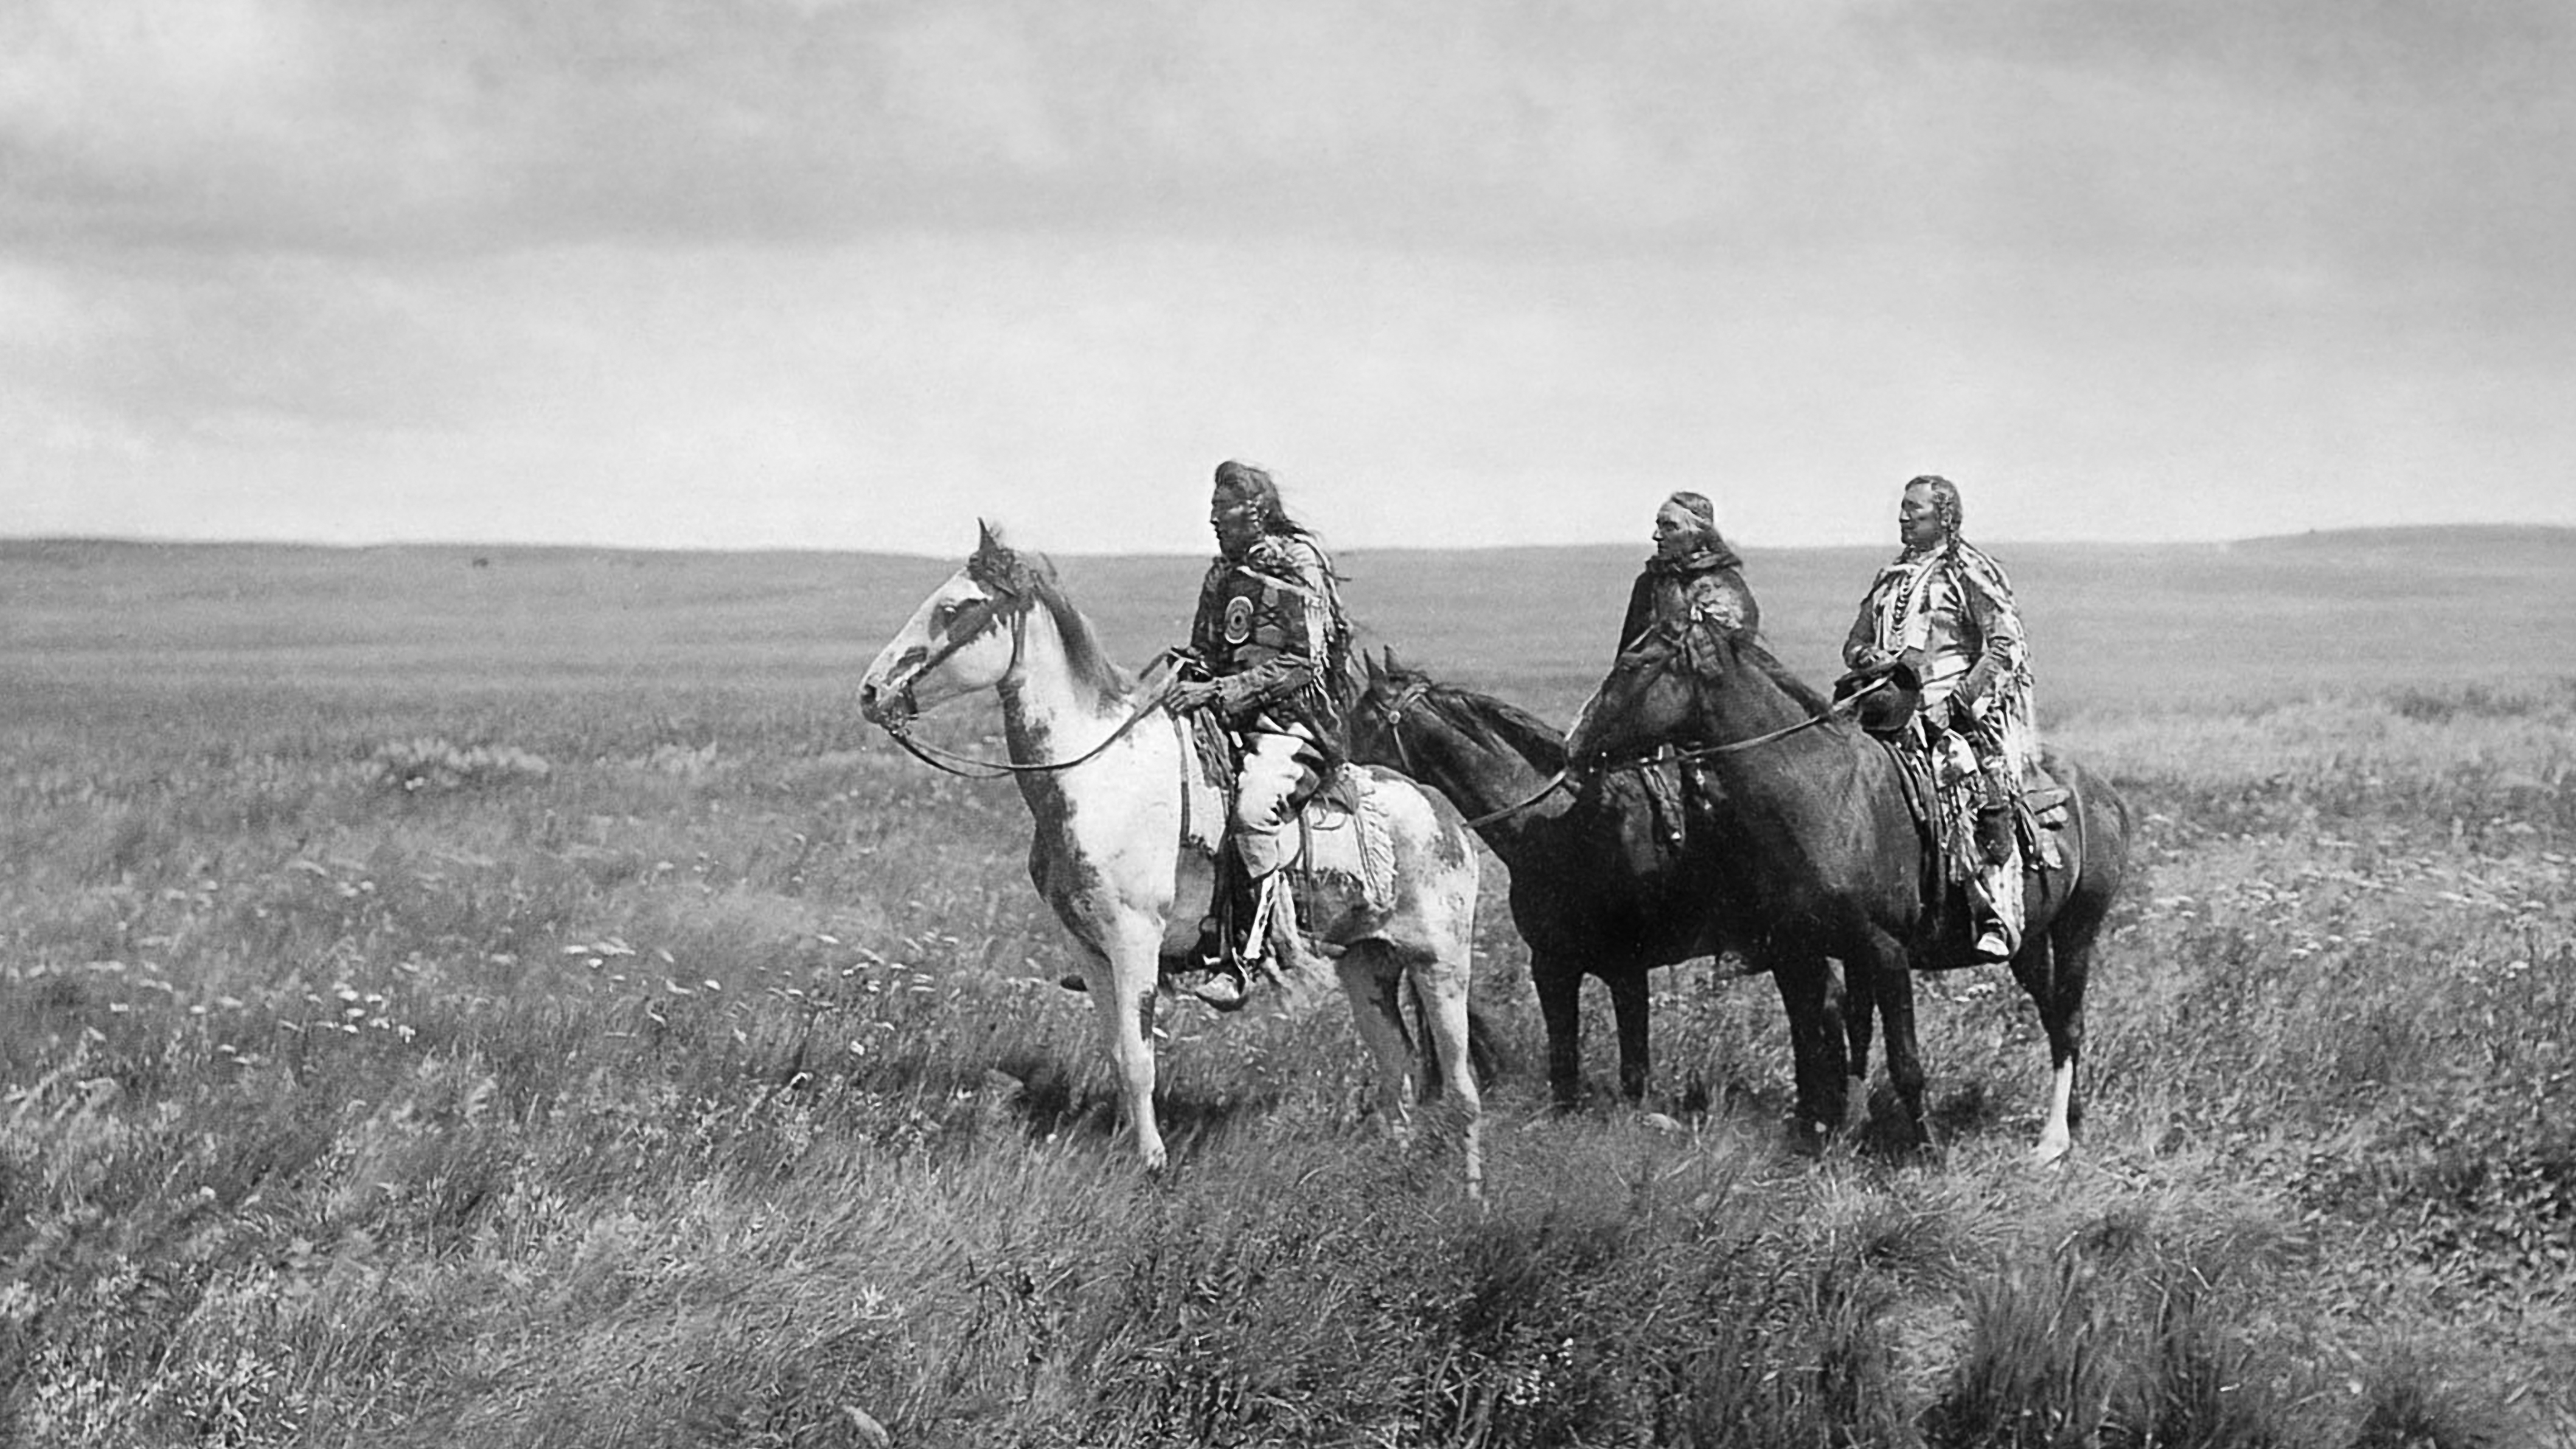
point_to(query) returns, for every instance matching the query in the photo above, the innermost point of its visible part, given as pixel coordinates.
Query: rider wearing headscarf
(1271, 641)
(1944, 612)
(1692, 571)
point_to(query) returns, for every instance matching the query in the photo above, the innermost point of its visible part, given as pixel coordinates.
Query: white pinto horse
(1127, 826)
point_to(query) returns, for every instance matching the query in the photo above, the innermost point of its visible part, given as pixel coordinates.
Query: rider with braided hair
(1942, 615)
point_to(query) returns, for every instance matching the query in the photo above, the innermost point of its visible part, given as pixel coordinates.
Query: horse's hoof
(2051, 1152)
(1072, 981)
(1223, 990)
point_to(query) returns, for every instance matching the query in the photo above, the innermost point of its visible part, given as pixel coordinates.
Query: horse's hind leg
(1123, 996)
(1440, 986)
(2055, 968)
(2056, 965)
(1371, 979)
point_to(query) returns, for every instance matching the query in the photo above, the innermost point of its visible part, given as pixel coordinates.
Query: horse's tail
(2098, 790)
(2106, 843)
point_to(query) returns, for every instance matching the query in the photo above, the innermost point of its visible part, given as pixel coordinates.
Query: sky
(804, 273)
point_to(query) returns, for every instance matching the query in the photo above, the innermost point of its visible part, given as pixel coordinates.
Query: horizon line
(2353, 531)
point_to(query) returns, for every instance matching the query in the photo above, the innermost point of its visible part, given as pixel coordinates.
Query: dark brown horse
(1813, 829)
(1598, 886)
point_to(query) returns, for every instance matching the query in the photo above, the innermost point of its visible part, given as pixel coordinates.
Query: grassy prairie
(516, 1002)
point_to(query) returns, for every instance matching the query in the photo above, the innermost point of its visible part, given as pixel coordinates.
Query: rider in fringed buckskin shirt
(1944, 610)
(1270, 638)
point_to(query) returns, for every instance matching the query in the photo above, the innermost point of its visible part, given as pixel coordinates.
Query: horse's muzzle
(890, 708)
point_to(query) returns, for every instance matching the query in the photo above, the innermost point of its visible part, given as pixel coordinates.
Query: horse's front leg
(1882, 971)
(1560, 1005)
(1121, 982)
(1628, 1008)
(1813, 1000)
(1860, 1015)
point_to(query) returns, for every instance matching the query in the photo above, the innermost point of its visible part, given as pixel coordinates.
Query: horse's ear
(993, 564)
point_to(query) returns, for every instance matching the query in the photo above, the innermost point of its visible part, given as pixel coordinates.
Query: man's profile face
(1675, 530)
(1918, 518)
(1237, 521)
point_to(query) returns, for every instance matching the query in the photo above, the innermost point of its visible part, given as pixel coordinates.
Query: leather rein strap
(1840, 708)
(1412, 695)
(980, 769)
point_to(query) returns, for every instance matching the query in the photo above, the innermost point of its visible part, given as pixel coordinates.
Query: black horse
(1813, 829)
(1598, 885)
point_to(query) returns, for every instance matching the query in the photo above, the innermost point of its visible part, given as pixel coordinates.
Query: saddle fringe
(1348, 801)
(2041, 814)
(1340, 797)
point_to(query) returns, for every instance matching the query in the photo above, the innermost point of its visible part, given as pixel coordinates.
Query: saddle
(2041, 814)
(1338, 833)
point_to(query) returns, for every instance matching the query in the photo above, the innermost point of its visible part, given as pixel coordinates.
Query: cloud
(426, 124)
(485, 125)
(580, 269)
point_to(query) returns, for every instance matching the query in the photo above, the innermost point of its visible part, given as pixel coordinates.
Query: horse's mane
(1749, 650)
(1092, 667)
(998, 565)
(1493, 723)
(1798, 689)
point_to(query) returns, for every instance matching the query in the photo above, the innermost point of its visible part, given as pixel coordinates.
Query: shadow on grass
(1052, 1102)
(1964, 1113)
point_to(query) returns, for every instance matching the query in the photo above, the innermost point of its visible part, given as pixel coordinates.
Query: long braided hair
(1945, 506)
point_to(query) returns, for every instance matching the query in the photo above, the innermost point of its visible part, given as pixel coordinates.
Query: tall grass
(656, 1060)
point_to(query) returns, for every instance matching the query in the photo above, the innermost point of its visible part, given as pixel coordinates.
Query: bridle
(1392, 711)
(1011, 607)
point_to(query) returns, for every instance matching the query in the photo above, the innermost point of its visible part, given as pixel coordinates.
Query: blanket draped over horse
(1818, 841)
(1128, 815)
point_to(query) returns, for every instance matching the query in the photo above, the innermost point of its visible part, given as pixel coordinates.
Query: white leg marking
(2056, 1139)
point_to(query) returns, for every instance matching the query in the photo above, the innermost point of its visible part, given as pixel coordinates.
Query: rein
(1412, 695)
(1841, 708)
(1480, 822)
(981, 769)
(900, 729)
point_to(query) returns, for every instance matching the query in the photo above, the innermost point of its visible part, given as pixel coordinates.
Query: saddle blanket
(1946, 815)
(1343, 849)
